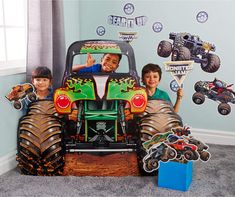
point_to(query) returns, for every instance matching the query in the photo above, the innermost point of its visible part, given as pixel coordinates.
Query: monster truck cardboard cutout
(106, 129)
(21, 92)
(46, 133)
(173, 145)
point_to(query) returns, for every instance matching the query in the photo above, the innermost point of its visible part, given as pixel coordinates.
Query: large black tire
(204, 155)
(198, 86)
(189, 155)
(42, 107)
(32, 96)
(198, 98)
(224, 108)
(196, 155)
(40, 145)
(146, 168)
(212, 64)
(168, 154)
(17, 105)
(181, 54)
(164, 49)
(141, 153)
(159, 117)
(171, 153)
(152, 164)
(40, 150)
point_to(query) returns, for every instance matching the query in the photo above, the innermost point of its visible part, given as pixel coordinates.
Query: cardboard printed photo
(97, 101)
(21, 92)
(216, 90)
(177, 144)
(98, 128)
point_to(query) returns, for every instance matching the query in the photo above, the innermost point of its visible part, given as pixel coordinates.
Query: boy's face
(151, 79)
(41, 84)
(109, 62)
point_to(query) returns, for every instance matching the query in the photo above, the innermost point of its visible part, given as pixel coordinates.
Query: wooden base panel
(88, 164)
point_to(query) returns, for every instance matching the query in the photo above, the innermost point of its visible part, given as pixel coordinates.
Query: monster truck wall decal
(190, 47)
(215, 90)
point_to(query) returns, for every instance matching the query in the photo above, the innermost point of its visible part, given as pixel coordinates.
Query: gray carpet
(214, 178)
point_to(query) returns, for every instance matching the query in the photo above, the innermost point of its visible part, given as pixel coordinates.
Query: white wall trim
(214, 136)
(8, 162)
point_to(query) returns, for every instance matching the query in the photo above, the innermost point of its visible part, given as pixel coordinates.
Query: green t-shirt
(160, 95)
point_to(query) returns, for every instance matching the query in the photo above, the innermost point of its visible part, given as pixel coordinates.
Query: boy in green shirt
(151, 76)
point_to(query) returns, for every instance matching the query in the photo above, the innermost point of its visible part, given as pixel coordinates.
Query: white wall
(71, 20)
(9, 116)
(8, 123)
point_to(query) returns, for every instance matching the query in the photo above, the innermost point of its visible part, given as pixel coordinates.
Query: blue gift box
(175, 175)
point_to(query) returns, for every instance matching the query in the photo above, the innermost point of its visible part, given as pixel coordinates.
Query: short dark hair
(152, 68)
(118, 54)
(41, 72)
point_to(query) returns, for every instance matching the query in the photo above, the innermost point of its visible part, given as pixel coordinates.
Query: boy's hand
(180, 93)
(89, 60)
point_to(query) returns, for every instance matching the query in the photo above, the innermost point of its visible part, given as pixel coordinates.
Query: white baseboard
(8, 162)
(214, 136)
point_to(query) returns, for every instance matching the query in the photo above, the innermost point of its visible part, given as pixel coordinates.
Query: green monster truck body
(101, 125)
(46, 132)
